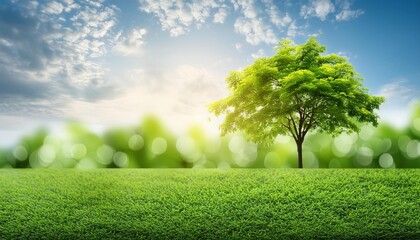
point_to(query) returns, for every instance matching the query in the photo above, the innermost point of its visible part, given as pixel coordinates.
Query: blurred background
(151, 145)
(82, 68)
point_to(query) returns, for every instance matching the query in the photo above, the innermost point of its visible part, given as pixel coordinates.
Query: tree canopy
(298, 89)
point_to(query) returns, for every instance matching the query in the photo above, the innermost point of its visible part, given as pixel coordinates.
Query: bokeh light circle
(105, 154)
(121, 159)
(342, 145)
(186, 146)
(20, 153)
(386, 160)
(136, 142)
(46, 154)
(159, 145)
(364, 156)
(78, 151)
(413, 149)
(236, 144)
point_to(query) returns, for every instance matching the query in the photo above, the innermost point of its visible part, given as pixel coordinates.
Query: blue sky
(111, 62)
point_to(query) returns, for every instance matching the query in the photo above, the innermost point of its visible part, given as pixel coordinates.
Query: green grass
(210, 204)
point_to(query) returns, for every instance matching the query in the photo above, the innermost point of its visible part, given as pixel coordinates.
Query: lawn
(210, 204)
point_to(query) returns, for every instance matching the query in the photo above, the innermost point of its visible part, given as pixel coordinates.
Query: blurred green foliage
(151, 145)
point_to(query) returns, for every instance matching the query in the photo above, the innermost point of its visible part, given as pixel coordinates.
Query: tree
(297, 90)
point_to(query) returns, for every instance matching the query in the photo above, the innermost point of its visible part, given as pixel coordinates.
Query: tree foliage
(297, 90)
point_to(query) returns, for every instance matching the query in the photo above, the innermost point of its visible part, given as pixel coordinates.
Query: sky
(112, 62)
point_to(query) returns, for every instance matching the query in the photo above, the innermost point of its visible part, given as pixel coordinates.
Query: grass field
(210, 204)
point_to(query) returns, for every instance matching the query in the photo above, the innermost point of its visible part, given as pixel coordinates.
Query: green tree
(297, 90)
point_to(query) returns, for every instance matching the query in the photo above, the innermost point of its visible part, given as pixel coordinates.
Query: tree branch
(290, 119)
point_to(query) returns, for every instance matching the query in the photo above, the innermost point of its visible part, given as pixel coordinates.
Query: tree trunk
(299, 151)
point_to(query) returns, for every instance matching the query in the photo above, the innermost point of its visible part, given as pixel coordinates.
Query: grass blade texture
(210, 204)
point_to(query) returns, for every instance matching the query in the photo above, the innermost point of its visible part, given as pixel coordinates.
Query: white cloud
(254, 23)
(323, 8)
(31, 7)
(95, 3)
(398, 102)
(275, 17)
(221, 15)
(346, 13)
(53, 8)
(397, 89)
(348, 55)
(94, 22)
(69, 5)
(131, 43)
(281, 22)
(248, 8)
(177, 17)
(251, 25)
(292, 30)
(260, 53)
(59, 51)
(258, 20)
(255, 31)
(317, 8)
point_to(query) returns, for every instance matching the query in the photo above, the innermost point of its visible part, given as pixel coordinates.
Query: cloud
(317, 8)
(275, 17)
(53, 8)
(220, 16)
(177, 17)
(260, 53)
(255, 23)
(346, 13)
(260, 21)
(48, 52)
(347, 54)
(30, 109)
(255, 31)
(131, 43)
(293, 30)
(251, 25)
(323, 8)
(13, 84)
(399, 98)
(398, 89)
(21, 43)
